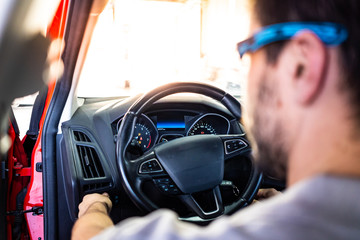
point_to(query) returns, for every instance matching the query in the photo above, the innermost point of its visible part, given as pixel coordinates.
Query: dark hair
(346, 12)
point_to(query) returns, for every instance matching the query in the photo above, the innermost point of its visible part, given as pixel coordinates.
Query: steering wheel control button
(150, 166)
(234, 145)
(166, 185)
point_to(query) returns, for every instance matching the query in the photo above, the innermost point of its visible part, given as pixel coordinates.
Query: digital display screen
(170, 121)
(167, 125)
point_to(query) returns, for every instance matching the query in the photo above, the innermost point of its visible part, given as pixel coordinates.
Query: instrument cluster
(159, 127)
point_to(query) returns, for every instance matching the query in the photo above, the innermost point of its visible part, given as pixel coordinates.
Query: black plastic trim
(78, 14)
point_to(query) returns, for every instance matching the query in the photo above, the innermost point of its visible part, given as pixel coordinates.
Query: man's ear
(310, 58)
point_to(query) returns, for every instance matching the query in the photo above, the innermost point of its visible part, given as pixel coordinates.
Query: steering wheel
(190, 169)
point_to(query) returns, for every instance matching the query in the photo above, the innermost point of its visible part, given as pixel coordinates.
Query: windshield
(138, 45)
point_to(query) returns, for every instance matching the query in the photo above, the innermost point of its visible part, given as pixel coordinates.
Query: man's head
(294, 84)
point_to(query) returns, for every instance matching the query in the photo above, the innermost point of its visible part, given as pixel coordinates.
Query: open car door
(25, 37)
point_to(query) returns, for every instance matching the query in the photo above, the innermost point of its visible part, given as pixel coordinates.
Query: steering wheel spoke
(149, 168)
(235, 145)
(166, 185)
(206, 204)
(149, 164)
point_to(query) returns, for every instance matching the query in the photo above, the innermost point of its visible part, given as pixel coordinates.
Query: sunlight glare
(138, 45)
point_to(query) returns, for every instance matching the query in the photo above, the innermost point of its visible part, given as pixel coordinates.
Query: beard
(267, 132)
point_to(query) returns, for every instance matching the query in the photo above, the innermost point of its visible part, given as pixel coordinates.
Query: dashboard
(87, 145)
(87, 152)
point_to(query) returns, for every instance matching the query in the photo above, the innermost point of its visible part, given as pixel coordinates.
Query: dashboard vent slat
(96, 186)
(82, 155)
(81, 137)
(90, 162)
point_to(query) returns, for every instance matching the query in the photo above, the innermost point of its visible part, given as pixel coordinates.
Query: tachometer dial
(201, 128)
(142, 137)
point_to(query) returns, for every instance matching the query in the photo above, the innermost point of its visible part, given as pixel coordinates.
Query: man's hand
(93, 216)
(263, 194)
(95, 202)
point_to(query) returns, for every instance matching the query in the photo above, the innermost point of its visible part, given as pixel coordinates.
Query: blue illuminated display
(170, 125)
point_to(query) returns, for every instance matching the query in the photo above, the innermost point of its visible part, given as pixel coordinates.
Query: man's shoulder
(322, 207)
(320, 192)
(317, 206)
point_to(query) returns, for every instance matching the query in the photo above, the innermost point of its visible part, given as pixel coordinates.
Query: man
(304, 116)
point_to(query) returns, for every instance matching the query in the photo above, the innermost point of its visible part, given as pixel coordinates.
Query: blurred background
(138, 45)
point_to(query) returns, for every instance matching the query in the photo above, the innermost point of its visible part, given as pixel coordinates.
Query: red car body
(30, 175)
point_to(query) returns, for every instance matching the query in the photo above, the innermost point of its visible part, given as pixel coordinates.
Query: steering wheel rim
(130, 170)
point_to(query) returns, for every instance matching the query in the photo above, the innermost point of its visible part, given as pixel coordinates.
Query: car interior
(157, 143)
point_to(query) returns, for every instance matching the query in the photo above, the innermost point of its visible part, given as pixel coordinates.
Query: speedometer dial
(141, 137)
(201, 128)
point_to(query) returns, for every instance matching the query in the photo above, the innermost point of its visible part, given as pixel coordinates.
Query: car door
(25, 37)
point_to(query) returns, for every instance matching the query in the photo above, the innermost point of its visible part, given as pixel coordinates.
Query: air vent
(90, 162)
(81, 137)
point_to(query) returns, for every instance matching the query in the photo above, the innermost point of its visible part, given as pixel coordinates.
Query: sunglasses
(331, 34)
